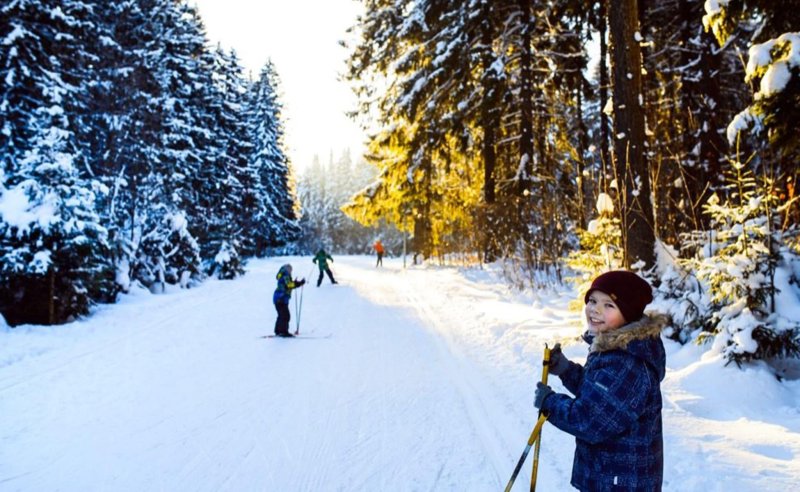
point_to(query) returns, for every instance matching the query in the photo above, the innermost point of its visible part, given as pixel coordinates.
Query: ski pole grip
(545, 364)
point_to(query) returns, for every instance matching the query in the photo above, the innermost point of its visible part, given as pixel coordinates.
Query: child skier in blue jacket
(281, 297)
(615, 415)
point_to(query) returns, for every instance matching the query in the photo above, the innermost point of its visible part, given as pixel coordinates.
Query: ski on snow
(300, 336)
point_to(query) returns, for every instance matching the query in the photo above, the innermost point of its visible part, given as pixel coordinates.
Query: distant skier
(321, 259)
(281, 297)
(379, 250)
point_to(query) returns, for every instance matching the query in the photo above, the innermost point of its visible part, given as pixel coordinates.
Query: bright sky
(302, 39)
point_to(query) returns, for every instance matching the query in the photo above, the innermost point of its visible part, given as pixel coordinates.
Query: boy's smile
(602, 313)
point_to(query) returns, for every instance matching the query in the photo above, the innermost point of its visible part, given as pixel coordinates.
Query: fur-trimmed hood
(640, 338)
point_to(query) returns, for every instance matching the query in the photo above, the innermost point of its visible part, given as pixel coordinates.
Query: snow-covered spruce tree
(166, 253)
(55, 256)
(314, 194)
(229, 183)
(749, 262)
(748, 272)
(39, 54)
(227, 264)
(601, 244)
(773, 70)
(124, 125)
(276, 223)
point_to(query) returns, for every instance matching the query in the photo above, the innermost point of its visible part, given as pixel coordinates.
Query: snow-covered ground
(425, 384)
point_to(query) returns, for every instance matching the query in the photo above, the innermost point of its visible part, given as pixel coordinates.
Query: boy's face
(602, 313)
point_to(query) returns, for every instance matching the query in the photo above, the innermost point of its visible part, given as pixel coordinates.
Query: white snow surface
(426, 383)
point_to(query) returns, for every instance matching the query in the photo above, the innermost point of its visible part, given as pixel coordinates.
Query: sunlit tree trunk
(526, 132)
(605, 154)
(633, 175)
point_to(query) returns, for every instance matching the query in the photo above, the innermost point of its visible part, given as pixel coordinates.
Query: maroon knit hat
(630, 292)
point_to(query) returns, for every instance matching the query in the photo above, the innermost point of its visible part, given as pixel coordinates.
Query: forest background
(132, 152)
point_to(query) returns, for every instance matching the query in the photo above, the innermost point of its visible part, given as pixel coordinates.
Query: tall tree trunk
(580, 165)
(489, 108)
(633, 176)
(526, 128)
(605, 154)
(51, 297)
(489, 121)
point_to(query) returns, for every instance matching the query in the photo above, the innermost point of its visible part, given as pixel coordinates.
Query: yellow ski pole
(534, 438)
(542, 417)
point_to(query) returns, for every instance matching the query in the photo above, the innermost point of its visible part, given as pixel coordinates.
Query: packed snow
(426, 383)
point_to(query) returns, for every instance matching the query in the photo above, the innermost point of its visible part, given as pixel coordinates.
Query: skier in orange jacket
(378, 249)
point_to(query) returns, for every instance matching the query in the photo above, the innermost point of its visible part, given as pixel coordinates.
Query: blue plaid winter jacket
(616, 413)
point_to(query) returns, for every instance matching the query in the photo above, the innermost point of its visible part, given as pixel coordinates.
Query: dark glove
(300, 282)
(542, 392)
(558, 364)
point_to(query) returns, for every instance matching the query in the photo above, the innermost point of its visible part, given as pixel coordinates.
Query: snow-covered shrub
(745, 265)
(679, 295)
(167, 253)
(227, 263)
(601, 244)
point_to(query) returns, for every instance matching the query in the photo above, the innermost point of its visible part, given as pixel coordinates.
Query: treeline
(501, 134)
(131, 152)
(323, 190)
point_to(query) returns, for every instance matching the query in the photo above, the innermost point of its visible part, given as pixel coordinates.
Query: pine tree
(40, 51)
(55, 251)
(276, 223)
(744, 263)
(231, 184)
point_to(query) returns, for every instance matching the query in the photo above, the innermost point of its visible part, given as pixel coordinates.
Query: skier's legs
(330, 276)
(282, 323)
(319, 280)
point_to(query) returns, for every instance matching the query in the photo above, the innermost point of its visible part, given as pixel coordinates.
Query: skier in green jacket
(321, 259)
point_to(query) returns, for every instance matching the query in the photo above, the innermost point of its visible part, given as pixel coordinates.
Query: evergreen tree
(55, 255)
(55, 260)
(744, 264)
(39, 54)
(313, 198)
(125, 123)
(231, 194)
(276, 223)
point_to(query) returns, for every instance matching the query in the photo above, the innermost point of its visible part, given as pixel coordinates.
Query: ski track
(188, 397)
(426, 385)
(466, 382)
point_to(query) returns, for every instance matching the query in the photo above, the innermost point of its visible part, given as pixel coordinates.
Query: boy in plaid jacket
(615, 415)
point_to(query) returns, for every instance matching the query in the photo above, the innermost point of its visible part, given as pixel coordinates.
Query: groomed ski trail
(176, 392)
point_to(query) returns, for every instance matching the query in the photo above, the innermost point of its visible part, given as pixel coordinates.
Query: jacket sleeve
(610, 398)
(572, 377)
